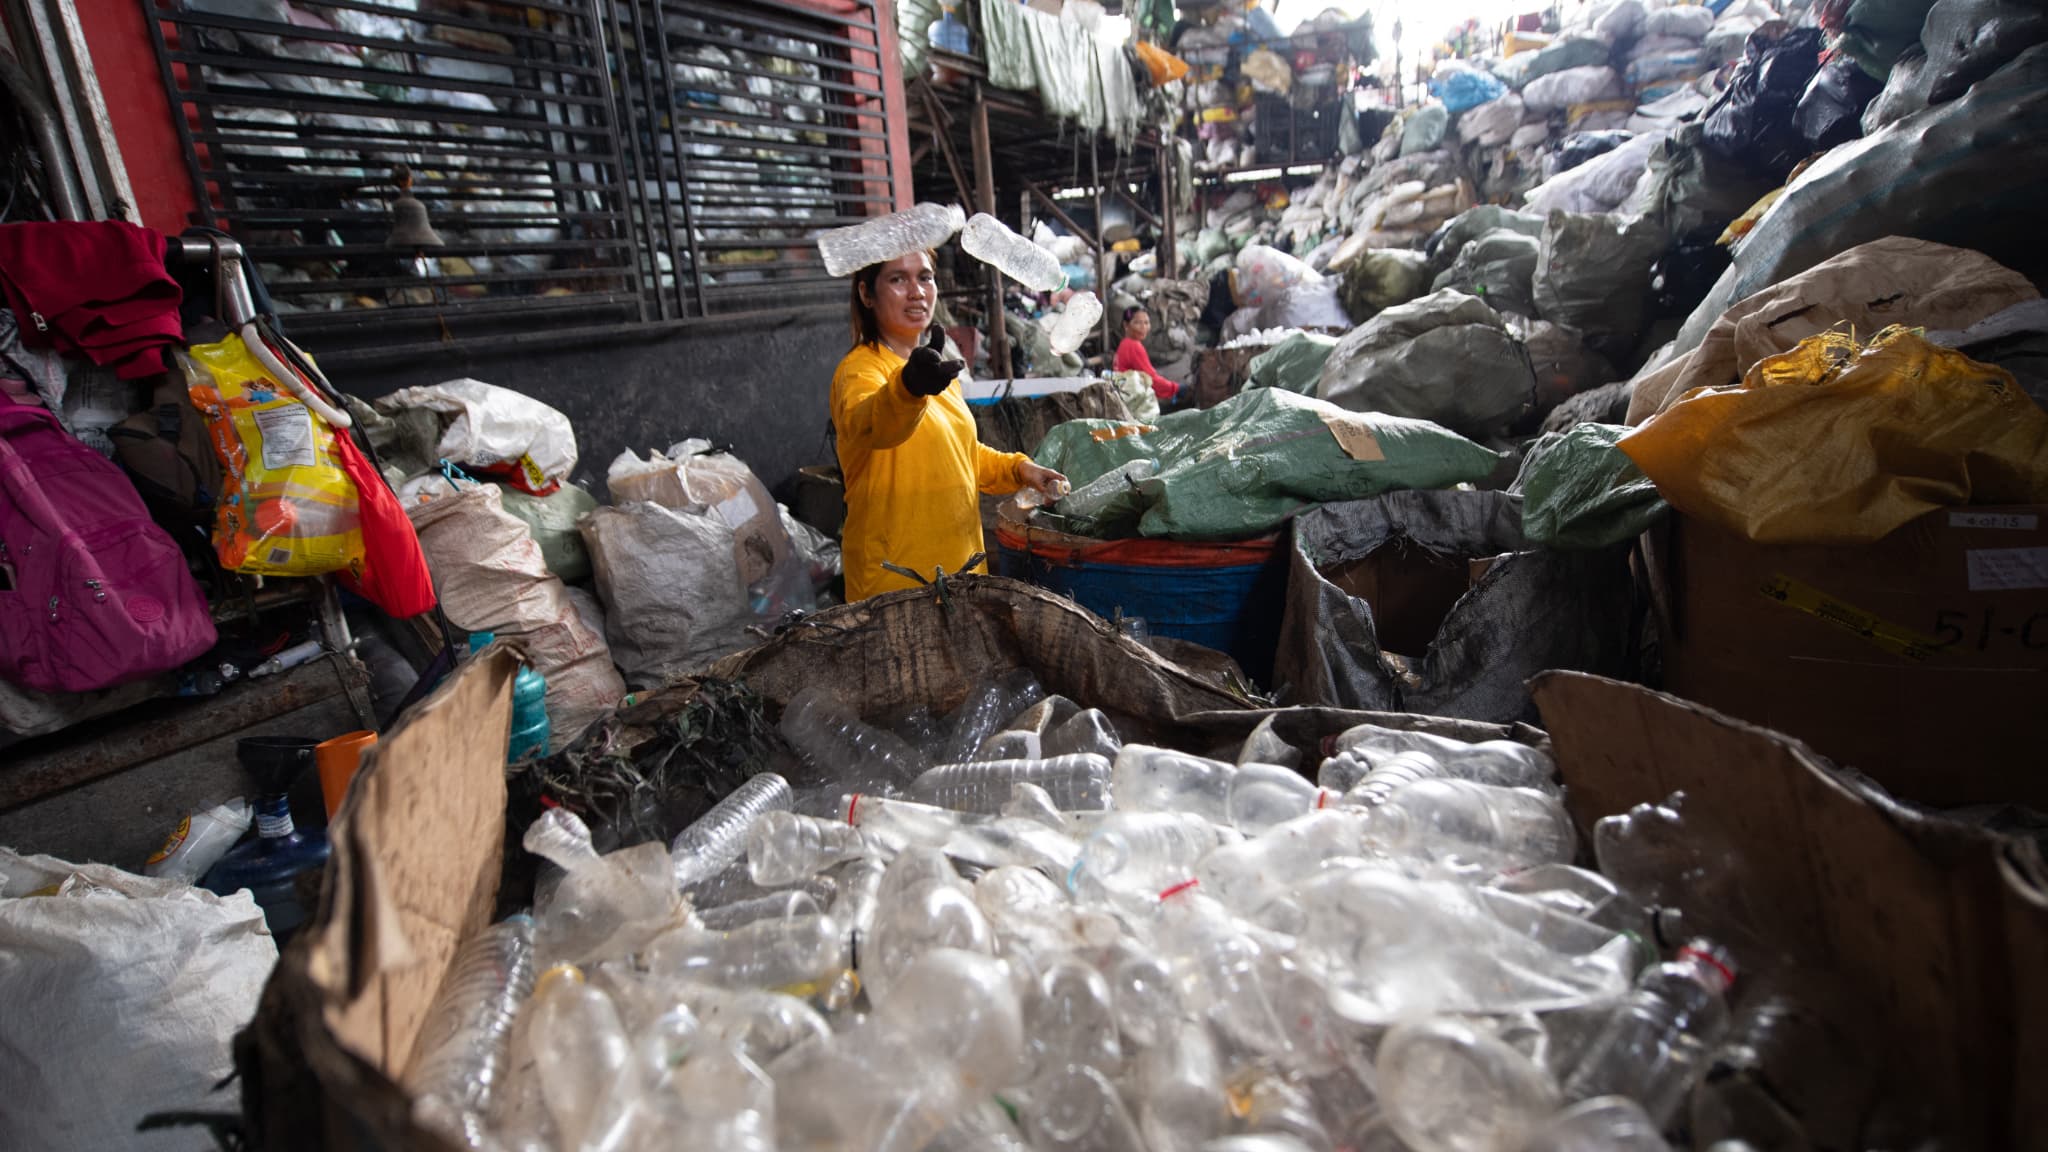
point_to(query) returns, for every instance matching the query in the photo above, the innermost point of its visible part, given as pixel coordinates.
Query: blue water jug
(269, 865)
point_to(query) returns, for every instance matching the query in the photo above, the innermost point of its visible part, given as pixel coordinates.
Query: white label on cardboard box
(2017, 521)
(2007, 569)
(1355, 436)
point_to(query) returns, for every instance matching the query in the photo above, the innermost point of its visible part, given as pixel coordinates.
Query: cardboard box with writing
(1921, 659)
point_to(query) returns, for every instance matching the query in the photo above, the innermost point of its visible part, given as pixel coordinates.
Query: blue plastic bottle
(949, 32)
(529, 716)
(529, 707)
(270, 864)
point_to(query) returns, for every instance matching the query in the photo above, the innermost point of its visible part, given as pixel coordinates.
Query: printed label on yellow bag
(286, 506)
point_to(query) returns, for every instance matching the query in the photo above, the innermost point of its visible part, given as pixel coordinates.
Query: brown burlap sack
(910, 649)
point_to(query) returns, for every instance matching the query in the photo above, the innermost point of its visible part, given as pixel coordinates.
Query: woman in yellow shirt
(907, 444)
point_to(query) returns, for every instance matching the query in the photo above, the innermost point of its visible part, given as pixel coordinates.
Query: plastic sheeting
(1835, 442)
(1446, 358)
(1601, 184)
(1594, 275)
(1531, 610)
(1294, 365)
(1580, 491)
(493, 425)
(1972, 173)
(1244, 467)
(672, 597)
(1498, 267)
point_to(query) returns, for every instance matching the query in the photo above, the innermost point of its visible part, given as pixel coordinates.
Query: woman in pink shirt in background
(1132, 357)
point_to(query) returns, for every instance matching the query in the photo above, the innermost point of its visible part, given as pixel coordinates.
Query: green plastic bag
(553, 521)
(1294, 364)
(1242, 468)
(1580, 491)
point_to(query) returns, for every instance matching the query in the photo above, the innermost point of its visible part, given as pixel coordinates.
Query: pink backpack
(92, 592)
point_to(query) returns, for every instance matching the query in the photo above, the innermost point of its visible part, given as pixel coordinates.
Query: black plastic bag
(1686, 272)
(1831, 111)
(1580, 147)
(1752, 121)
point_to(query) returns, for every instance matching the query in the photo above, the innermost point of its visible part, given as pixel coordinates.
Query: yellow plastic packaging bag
(286, 508)
(1840, 442)
(1163, 66)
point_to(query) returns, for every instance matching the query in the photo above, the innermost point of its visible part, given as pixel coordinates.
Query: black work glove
(927, 372)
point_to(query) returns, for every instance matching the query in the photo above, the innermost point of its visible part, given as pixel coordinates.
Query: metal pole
(1169, 243)
(1103, 259)
(985, 201)
(60, 179)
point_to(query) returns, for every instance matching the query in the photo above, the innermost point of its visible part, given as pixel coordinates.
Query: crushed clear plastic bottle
(1470, 827)
(922, 906)
(605, 906)
(796, 952)
(1077, 318)
(984, 711)
(990, 241)
(1380, 780)
(920, 1062)
(1499, 762)
(784, 847)
(918, 229)
(579, 1053)
(716, 839)
(1263, 796)
(461, 1055)
(1248, 876)
(1654, 1044)
(1149, 779)
(1074, 783)
(1450, 1086)
(835, 741)
(1602, 1124)
(1086, 504)
(1142, 853)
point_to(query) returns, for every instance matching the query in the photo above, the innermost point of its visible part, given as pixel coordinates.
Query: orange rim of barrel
(1072, 551)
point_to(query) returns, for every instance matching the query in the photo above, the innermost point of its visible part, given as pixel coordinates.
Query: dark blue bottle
(270, 864)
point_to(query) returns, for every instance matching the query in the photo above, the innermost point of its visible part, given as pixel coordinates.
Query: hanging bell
(409, 226)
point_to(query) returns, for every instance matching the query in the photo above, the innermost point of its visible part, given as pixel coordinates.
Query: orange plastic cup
(337, 760)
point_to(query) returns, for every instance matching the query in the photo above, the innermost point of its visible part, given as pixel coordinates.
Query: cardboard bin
(1944, 929)
(1921, 659)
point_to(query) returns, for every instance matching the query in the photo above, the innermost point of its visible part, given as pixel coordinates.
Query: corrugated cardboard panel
(417, 847)
(1921, 659)
(1911, 913)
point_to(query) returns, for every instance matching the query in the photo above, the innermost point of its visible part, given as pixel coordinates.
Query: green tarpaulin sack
(1294, 364)
(553, 521)
(1244, 467)
(1580, 491)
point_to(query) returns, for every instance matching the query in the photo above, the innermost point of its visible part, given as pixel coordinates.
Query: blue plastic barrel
(1228, 596)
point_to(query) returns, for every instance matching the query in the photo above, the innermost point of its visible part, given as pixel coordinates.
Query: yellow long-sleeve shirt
(913, 468)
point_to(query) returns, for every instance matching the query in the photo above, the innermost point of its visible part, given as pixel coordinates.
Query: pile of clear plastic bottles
(1016, 932)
